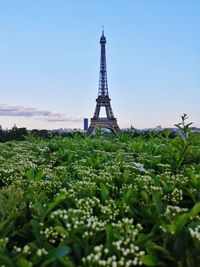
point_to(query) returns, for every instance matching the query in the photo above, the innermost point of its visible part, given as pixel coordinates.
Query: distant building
(85, 124)
(159, 127)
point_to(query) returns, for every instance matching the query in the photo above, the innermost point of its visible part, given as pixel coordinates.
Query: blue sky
(49, 61)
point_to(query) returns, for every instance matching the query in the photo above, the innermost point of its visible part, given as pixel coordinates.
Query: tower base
(110, 124)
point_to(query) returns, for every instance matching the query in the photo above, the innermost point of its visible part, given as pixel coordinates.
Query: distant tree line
(20, 134)
(15, 133)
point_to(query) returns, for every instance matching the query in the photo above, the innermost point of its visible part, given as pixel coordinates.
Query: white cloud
(20, 111)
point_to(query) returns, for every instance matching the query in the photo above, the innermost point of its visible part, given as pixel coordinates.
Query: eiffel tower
(103, 100)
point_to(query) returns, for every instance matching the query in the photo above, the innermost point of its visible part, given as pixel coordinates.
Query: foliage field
(105, 201)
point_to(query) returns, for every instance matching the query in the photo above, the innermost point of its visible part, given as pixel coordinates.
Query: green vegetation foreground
(102, 201)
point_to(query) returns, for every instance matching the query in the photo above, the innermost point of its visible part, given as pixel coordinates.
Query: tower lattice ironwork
(103, 100)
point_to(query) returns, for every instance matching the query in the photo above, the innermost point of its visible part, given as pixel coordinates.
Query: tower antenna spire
(102, 29)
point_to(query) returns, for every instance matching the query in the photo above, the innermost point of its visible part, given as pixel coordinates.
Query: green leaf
(159, 205)
(35, 228)
(109, 236)
(149, 260)
(77, 249)
(104, 192)
(195, 210)
(6, 227)
(145, 196)
(30, 174)
(60, 229)
(143, 238)
(170, 228)
(127, 197)
(180, 222)
(190, 258)
(54, 203)
(5, 260)
(22, 262)
(24, 232)
(160, 249)
(59, 252)
(56, 254)
(180, 244)
(65, 263)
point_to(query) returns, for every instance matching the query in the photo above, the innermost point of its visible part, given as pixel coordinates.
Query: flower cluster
(176, 196)
(172, 211)
(25, 250)
(41, 251)
(52, 235)
(125, 252)
(195, 233)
